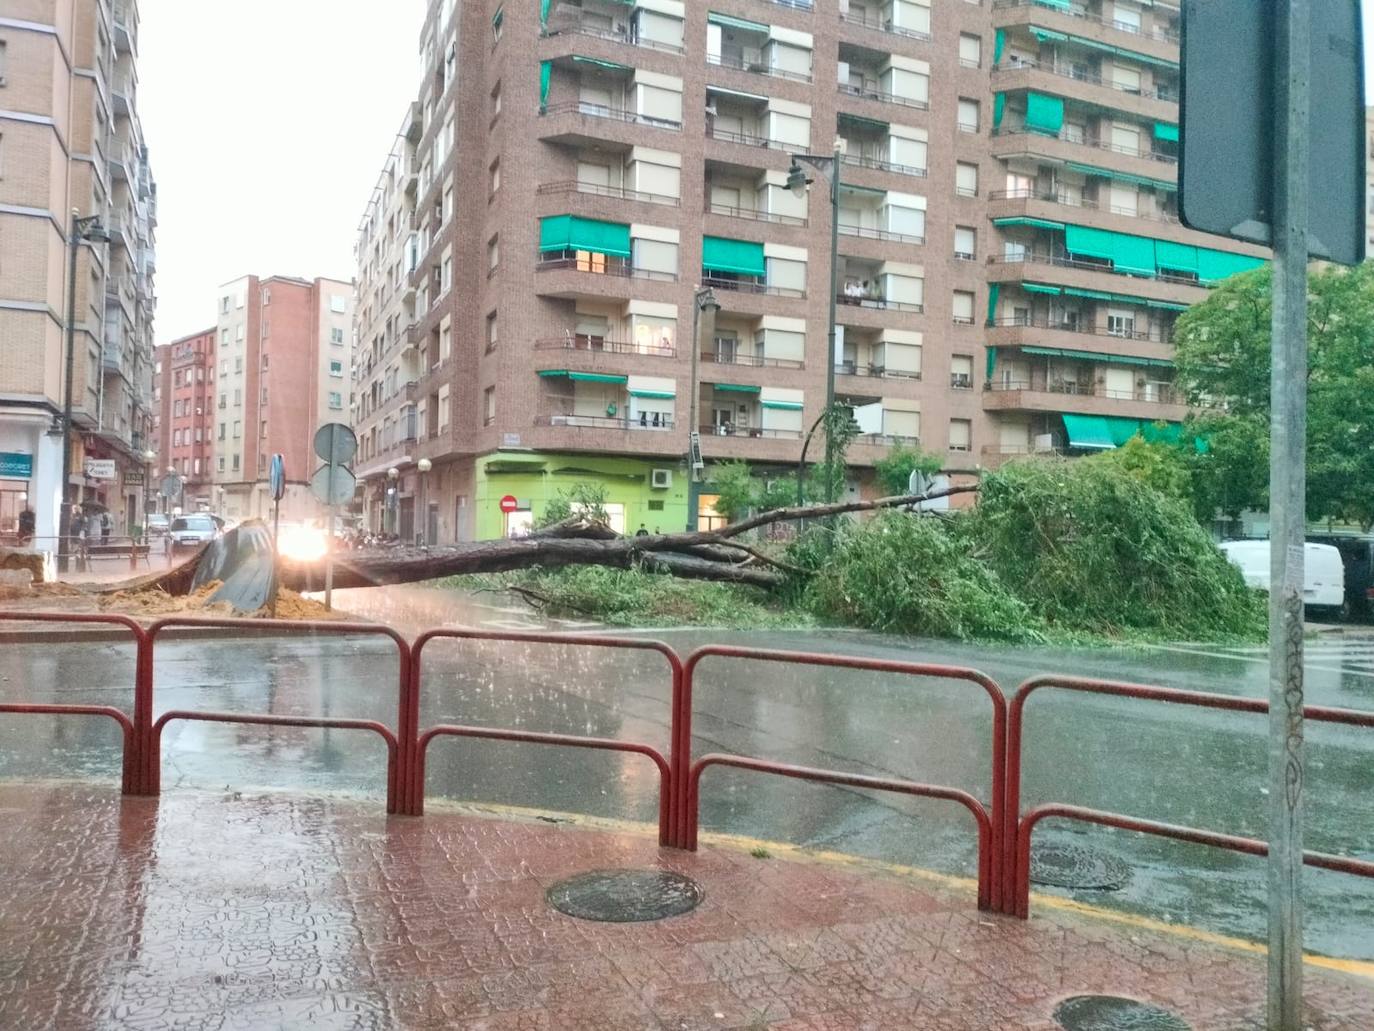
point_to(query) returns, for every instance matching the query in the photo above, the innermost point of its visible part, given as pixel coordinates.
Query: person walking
(643, 531)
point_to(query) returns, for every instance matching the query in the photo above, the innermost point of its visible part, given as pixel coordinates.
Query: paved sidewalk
(273, 911)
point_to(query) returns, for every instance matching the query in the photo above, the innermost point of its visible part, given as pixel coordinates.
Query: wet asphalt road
(1201, 768)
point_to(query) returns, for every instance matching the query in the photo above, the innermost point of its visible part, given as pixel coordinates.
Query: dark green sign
(15, 465)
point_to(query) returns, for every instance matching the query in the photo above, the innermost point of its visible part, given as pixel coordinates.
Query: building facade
(283, 367)
(70, 139)
(184, 421)
(1010, 260)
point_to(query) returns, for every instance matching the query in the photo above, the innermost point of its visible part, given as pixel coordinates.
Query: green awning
(730, 22)
(1039, 223)
(1105, 48)
(602, 64)
(742, 257)
(1127, 253)
(545, 76)
(1165, 131)
(544, 6)
(662, 395)
(756, 97)
(1163, 305)
(1057, 5)
(994, 292)
(999, 108)
(572, 233)
(1094, 295)
(1049, 35)
(992, 362)
(1044, 114)
(1098, 295)
(585, 377)
(1165, 433)
(1176, 256)
(1121, 177)
(738, 388)
(999, 44)
(845, 116)
(1214, 265)
(1097, 356)
(497, 19)
(786, 406)
(1040, 288)
(1090, 432)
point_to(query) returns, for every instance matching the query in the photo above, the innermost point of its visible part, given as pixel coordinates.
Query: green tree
(582, 498)
(895, 468)
(1223, 361)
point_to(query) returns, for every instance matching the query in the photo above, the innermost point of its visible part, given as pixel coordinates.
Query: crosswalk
(1339, 653)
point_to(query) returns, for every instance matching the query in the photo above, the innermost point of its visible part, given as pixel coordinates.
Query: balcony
(1011, 12)
(1033, 203)
(1160, 102)
(872, 233)
(1059, 269)
(755, 215)
(748, 432)
(624, 33)
(1152, 403)
(124, 29)
(122, 93)
(574, 122)
(994, 456)
(597, 190)
(882, 21)
(1089, 155)
(598, 265)
(747, 360)
(873, 300)
(601, 345)
(1074, 332)
(118, 157)
(748, 285)
(643, 421)
(867, 91)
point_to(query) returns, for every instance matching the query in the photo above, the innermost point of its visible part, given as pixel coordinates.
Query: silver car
(191, 531)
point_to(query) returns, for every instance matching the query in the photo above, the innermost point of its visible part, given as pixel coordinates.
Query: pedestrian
(28, 524)
(643, 531)
(106, 524)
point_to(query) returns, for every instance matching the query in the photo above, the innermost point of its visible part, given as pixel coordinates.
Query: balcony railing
(574, 342)
(754, 64)
(755, 214)
(643, 421)
(597, 190)
(883, 165)
(881, 303)
(877, 20)
(1070, 201)
(1157, 335)
(756, 361)
(857, 368)
(799, 5)
(745, 287)
(617, 114)
(746, 138)
(887, 439)
(1161, 394)
(869, 93)
(1095, 143)
(1156, 32)
(596, 269)
(1064, 261)
(869, 233)
(627, 36)
(1164, 93)
(756, 432)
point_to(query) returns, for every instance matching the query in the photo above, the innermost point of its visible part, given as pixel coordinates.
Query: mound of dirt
(153, 601)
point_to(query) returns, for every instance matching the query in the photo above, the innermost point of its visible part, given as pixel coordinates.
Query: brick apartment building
(70, 138)
(283, 367)
(1010, 258)
(184, 420)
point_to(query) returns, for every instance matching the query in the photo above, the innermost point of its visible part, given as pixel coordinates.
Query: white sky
(266, 144)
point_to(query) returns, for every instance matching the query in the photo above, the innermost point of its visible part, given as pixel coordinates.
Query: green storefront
(651, 492)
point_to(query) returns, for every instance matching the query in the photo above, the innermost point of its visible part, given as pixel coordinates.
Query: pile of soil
(291, 605)
(153, 601)
(29, 560)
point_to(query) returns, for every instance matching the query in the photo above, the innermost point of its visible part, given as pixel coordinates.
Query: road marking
(1260, 659)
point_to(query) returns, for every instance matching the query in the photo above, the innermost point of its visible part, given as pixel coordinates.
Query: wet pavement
(257, 912)
(1205, 769)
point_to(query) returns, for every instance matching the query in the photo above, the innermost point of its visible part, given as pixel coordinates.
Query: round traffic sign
(336, 443)
(333, 484)
(509, 504)
(276, 477)
(171, 486)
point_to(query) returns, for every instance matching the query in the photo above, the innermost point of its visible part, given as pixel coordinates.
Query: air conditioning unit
(661, 479)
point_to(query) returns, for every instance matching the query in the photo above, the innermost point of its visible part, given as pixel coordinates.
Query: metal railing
(616, 114)
(877, 20)
(881, 303)
(643, 421)
(1064, 261)
(1092, 79)
(870, 233)
(875, 369)
(754, 214)
(609, 268)
(1163, 396)
(1070, 201)
(744, 63)
(1158, 336)
(600, 345)
(745, 287)
(882, 165)
(745, 138)
(882, 96)
(1092, 142)
(1155, 32)
(753, 432)
(597, 190)
(756, 361)
(627, 36)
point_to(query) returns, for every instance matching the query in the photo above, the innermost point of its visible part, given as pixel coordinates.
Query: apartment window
(223, 400)
(221, 463)
(491, 332)
(195, 467)
(338, 304)
(1125, 140)
(4, 61)
(966, 179)
(494, 176)
(965, 243)
(1126, 18)
(224, 307)
(446, 273)
(961, 371)
(236, 463)
(238, 398)
(336, 336)
(224, 333)
(336, 369)
(221, 431)
(441, 403)
(963, 307)
(239, 332)
(970, 50)
(445, 341)
(238, 429)
(335, 400)
(1120, 324)
(262, 429)
(264, 362)
(493, 254)
(968, 115)
(238, 363)
(488, 406)
(960, 435)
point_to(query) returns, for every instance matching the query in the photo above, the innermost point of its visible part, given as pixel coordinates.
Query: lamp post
(797, 182)
(424, 465)
(82, 229)
(148, 457)
(393, 500)
(704, 300)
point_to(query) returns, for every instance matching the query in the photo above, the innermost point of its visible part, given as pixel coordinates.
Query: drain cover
(626, 896)
(1111, 1013)
(1073, 866)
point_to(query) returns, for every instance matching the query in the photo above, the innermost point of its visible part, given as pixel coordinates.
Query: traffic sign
(509, 503)
(276, 477)
(336, 443)
(171, 485)
(333, 484)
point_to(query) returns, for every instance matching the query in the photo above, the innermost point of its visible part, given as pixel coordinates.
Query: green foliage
(736, 489)
(1157, 465)
(1093, 551)
(1231, 473)
(1222, 353)
(585, 499)
(827, 478)
(912, 575)
(894, 470)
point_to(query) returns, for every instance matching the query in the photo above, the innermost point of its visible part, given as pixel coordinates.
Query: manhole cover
(1111, 1013)
(626, 896)
(1073, 866)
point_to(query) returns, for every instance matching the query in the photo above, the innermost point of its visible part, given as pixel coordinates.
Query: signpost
(1267, 159)
(509, 504)
(334, 484)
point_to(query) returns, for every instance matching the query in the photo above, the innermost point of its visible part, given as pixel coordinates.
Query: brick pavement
(204, 911)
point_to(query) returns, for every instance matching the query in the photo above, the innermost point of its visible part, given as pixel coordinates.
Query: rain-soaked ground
(1205, 769)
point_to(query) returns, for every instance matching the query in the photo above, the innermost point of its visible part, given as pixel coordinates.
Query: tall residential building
(1010, 259)
(184, 420)
(283, 368)
(70, 139)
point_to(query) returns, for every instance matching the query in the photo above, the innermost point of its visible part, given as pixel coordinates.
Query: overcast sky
(268, 133)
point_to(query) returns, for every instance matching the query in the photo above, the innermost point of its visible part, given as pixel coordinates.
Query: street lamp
(424, 465)
(393, 500)
(82, 229)
(148, 457)
(704, 300)
(798, 182)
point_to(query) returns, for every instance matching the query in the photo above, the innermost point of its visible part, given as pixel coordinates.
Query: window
(493, 181)
(335, 400)
(239, 332)
(195, 467)
(965, 243)
(221, 463)
(493, 254)
(445, 340)
(238, 429)
(224, 307)
(224, 333)
(4, 60)
(238, 363)
(236, 463)
(491, 332)
(336, 336)
(961, 371)
(960, 435)
(266, 296)
(488, 406)
(1125, 140)
(264, 361)
(968, 115)
(970, 50)
(1125, 17)
(1120, 323)
(262, 429)
(442, 406)
(446, 273)
(223, 400)
(336, 369)
(965, 179)
(963, 307)
(221, 433)
(654, 256)
(338, 304)
(1126, 79)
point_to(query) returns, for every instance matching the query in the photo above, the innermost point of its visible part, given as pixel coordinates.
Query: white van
(1324, 572)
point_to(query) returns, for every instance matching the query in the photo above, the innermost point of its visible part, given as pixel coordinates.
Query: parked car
(1358, 554)
(1323, 573)
(158, 524)
(191, 531)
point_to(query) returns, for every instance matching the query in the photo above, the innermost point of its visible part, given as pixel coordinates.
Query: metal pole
(329, 561)
(830, 335)
(693, 484)
(1288, 497)
(64, 523)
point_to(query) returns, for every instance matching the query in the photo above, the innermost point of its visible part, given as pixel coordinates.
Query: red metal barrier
(1017, 830)
(132, 781)
(669, 799)
(400, 745)
(991, 848)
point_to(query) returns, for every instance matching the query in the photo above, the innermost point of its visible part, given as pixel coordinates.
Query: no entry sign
(509, 504)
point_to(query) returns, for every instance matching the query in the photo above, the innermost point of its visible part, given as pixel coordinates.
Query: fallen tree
(702, 555)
